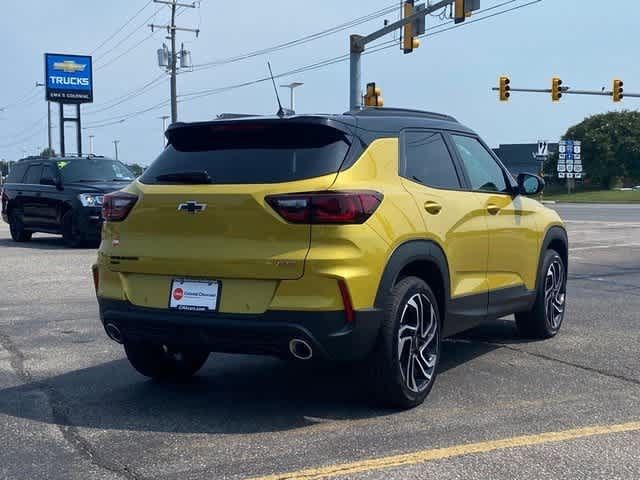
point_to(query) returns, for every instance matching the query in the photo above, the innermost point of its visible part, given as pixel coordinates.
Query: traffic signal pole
(358, 44)
(569, 91)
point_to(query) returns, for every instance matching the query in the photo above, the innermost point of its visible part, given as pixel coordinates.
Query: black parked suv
(60, 195)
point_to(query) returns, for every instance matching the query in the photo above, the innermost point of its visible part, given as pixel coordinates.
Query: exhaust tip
(300, 349)
(113, 332)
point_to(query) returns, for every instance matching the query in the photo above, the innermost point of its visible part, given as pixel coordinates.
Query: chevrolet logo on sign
(69, 66)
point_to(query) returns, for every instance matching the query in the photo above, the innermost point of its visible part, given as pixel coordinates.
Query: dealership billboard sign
(68, 78)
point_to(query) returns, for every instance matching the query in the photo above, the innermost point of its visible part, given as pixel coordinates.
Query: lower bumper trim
(331, 337)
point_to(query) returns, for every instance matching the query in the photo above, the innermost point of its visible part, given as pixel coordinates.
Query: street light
(292, 86)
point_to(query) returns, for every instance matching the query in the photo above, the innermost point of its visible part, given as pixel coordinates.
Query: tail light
(336, 208)
(346, 301)
(116, 206)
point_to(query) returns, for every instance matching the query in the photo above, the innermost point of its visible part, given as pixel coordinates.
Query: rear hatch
(201, 209)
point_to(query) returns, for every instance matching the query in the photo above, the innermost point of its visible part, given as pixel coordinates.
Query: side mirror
(530, 184)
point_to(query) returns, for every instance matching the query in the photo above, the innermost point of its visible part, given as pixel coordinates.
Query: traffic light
(504, 89)
(463, 8)
(556, 89)
(373, 97)
(618, 91)
(409, 40)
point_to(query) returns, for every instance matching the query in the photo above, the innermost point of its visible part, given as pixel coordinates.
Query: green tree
(136, 169)
(48, 153)
(610, 145)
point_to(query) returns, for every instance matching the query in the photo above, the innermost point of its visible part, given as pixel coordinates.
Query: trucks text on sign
(68, 78)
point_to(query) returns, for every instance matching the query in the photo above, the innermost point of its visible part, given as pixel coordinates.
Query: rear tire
(164, 363)
(405, 360)
(545, 318)
(71, 237)
(16, 228)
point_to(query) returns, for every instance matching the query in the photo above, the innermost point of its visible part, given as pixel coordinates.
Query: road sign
(543, 151)
(68, 78)
(570, 159)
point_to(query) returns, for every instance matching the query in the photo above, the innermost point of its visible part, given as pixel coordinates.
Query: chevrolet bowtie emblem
(69, 66)
(192, 207)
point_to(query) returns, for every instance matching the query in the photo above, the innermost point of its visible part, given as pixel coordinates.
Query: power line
(121, 28)
(32, 93)
(127, 51)
(135, 93)
(341, 58)
(128, 96)
(21, 135)
(315, 66)
(299, 41)
(133, 32)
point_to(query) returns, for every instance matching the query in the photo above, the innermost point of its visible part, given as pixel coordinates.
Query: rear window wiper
(185, 177)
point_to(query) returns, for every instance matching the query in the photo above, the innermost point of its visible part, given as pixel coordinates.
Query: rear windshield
(93, 170)
(251, 153)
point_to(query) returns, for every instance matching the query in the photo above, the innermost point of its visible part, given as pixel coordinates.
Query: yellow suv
(367, 236)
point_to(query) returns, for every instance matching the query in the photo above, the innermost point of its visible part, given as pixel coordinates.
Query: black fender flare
(554, 233)
(409, 252)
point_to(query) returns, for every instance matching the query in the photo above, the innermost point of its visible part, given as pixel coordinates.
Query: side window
(483, 171)
(428, 160)
(17, 173)
(33, 174)
(49, 171)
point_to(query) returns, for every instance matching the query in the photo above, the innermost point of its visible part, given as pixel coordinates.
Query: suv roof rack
(399, 112)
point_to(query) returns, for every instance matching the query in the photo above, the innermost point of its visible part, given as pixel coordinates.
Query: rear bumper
(331, 337)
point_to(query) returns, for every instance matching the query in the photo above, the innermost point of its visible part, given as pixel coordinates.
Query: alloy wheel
(554, 294)
(418, 342)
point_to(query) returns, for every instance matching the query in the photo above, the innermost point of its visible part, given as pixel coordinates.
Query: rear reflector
(326, 207)
(116, 206)
(96, 276)
(346, 301)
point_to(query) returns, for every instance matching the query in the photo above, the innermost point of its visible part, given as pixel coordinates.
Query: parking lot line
(423, 456)
(597, 247)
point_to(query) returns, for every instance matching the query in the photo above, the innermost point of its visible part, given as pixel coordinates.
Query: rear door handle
(432, 207)
(493, 209)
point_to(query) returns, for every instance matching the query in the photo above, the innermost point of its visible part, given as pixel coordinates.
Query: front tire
(16, 228)
(545, 318)
(406, 357)
(164, 363)
(71, 237)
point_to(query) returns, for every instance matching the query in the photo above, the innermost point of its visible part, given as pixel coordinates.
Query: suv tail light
(116, 206)
(337, 208)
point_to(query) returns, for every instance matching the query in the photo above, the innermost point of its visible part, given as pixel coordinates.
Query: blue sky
(585, 42)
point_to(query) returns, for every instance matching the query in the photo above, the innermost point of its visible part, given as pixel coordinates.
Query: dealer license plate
(194, 295)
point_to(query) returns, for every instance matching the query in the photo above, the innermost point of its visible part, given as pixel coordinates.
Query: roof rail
(399, 112)
(69, 155)
(231, 116)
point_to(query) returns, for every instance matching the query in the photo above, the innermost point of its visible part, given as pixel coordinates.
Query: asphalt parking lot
(502, 408)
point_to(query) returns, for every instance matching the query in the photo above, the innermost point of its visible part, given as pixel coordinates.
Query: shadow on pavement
(232, 394)
(40, 243)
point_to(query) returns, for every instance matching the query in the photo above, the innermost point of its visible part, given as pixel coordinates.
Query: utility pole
(173, 55)
(91, 137)
(164, 119)
(39, 84)
(115, 144)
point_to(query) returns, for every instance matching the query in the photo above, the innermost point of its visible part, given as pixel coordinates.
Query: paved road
(72, 408)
